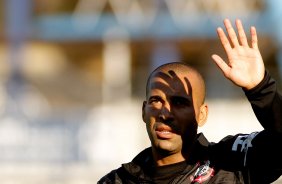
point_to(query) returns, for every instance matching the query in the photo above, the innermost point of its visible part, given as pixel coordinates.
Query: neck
(167, 159)
(162, 157)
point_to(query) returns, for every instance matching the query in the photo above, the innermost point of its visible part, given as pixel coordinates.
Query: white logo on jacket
(245, 141)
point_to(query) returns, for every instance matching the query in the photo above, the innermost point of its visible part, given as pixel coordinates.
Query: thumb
(221, 64)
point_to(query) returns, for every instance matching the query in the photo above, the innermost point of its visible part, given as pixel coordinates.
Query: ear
(143, 110)
(203, 115)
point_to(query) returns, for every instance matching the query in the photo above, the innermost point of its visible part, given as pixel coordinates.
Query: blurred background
(73, 73)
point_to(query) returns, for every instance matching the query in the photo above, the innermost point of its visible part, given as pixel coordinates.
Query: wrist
(257, 85)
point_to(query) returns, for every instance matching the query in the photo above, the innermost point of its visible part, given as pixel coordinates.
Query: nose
(166, 113)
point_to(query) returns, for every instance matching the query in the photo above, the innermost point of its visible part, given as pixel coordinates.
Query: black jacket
(242, 158)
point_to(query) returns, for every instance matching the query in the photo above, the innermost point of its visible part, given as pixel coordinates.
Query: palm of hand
(246, 67)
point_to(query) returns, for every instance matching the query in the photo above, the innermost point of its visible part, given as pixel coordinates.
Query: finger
(231, 33)
(224, 40)
(254, 38)
(242, 35)
(221, 64)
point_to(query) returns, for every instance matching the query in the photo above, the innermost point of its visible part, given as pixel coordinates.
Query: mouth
(164, 132)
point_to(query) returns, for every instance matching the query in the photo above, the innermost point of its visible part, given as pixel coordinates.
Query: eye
(155, 100)
(180, 102)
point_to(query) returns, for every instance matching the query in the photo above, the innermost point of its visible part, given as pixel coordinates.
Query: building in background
(73, 76)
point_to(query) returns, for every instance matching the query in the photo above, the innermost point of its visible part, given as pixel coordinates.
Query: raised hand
(245, 66)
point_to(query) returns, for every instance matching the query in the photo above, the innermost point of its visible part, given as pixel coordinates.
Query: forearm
(267, 103)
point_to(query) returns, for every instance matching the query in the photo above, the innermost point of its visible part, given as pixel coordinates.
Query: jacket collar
(143, 163)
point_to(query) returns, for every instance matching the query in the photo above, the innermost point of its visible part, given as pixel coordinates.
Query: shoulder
(111, 177)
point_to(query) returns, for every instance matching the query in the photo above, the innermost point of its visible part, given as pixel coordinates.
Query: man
(175, 107)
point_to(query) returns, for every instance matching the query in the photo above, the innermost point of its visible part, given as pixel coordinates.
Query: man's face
(169, 112)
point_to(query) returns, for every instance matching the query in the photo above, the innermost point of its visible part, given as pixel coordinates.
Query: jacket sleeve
(257, 155)
(258, 147)
(266, 102)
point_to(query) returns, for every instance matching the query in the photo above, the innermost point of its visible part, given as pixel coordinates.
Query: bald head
(182, 71)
